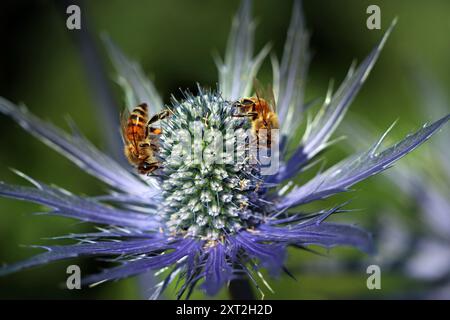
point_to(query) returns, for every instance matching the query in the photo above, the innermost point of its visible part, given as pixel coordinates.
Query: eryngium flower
(211, 223)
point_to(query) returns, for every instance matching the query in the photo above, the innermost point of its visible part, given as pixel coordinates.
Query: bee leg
(159, 116)
(153, 119)
(164, 114)
(154, 147)
(152, 167)
(144, 145)
(242, 115)
(154, 130)
(248, 114)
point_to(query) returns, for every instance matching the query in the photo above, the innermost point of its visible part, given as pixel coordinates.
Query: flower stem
(240, 289)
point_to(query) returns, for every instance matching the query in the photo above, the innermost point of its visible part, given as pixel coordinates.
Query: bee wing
(270, 98)
(124, 115)
(265, 93)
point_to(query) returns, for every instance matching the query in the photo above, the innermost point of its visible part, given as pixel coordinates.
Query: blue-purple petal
(137, 87)
(181, 249)
(240, 67)
(104, 248)
(290, 77)
(66, 204)
(270, 255)
(328, 118)
(77, 149)
(323, 234)
(218, 271)
(355, 169)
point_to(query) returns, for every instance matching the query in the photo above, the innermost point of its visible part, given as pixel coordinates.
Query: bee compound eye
(145, 167)
(247, 102)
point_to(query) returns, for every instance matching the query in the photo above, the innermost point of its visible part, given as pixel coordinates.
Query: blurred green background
(174, 41)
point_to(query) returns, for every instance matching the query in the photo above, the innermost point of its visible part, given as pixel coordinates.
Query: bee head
(145, 167)
(246, 102)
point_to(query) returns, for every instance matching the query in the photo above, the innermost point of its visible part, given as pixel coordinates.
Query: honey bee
(261, 111)
(138, 134)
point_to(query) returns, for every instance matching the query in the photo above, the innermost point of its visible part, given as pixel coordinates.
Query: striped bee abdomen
(137, 123)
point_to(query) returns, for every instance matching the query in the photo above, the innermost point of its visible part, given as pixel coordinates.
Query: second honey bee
(261, 111)
(139, 137)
